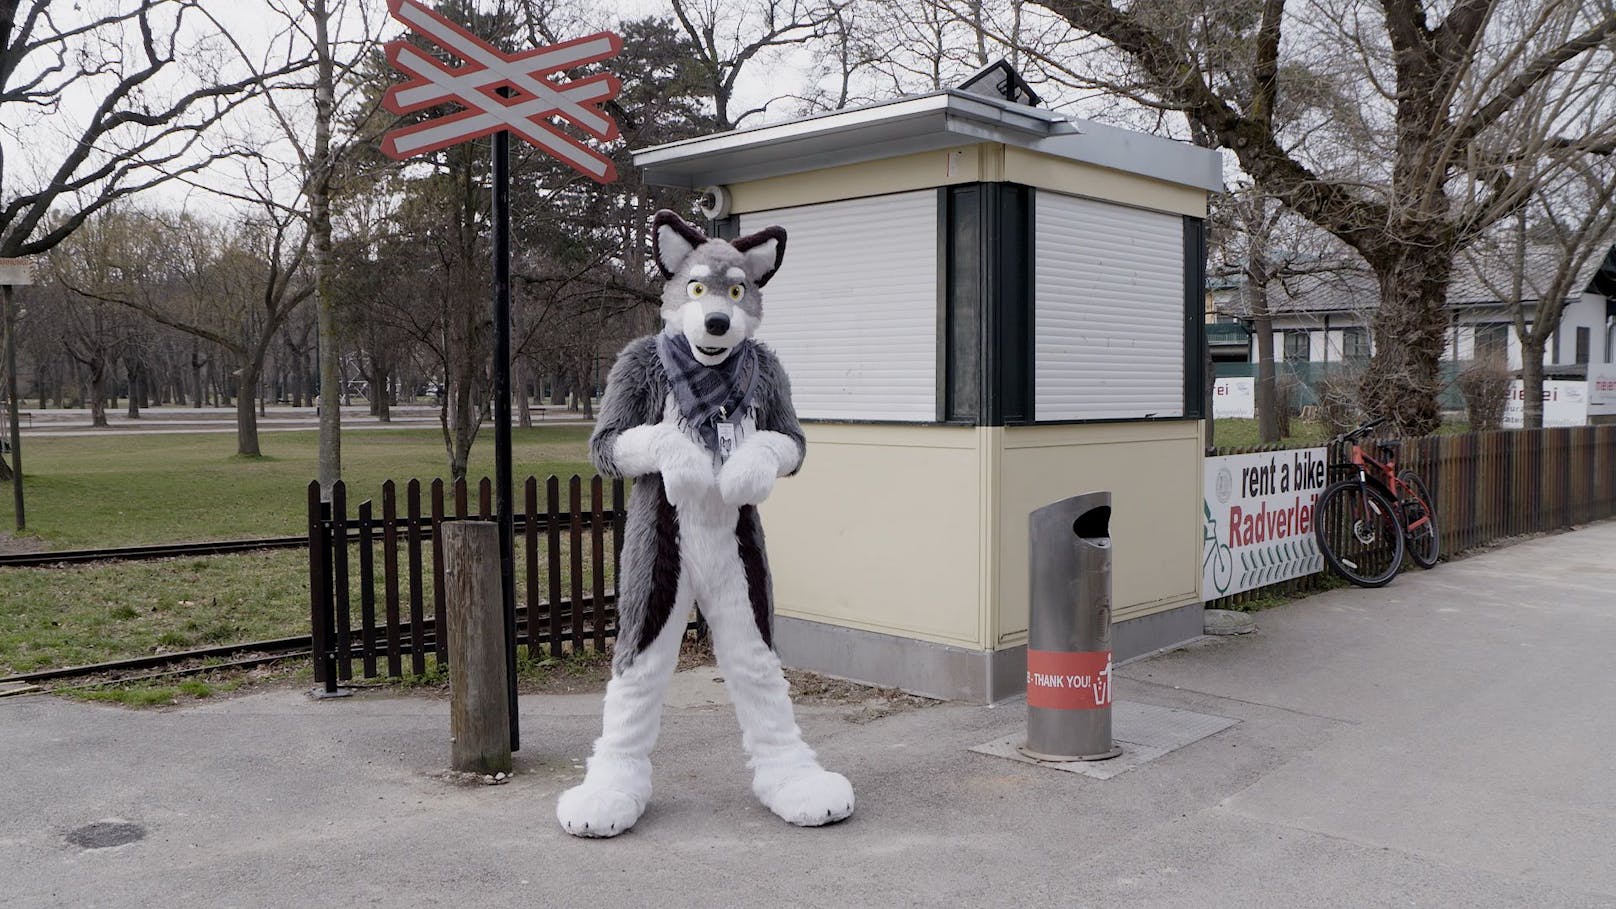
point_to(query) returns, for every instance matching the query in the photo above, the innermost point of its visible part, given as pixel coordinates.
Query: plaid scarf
(708, 394)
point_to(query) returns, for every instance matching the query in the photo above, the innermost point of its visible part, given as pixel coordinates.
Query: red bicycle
(1365, 523)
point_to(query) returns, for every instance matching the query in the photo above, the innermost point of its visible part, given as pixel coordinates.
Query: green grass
(168, 692)
(1240, 433)
(121, 490)
(158, 694)
(52, 617)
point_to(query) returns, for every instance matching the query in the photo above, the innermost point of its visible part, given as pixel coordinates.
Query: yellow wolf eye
(735, 291)
(697, 288)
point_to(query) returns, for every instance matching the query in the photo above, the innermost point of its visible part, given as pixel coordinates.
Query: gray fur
(719, 257)
(635, 391)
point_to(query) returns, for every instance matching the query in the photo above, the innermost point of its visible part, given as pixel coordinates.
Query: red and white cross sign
(530, 101)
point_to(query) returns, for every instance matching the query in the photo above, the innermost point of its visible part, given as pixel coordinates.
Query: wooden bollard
(479, 712)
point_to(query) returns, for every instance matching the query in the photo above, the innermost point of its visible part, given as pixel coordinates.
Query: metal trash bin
(1069, 633)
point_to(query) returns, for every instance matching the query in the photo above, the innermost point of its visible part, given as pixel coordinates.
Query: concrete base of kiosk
(955, 673)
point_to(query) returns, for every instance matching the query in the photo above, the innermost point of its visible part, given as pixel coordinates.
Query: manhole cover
(106, 834)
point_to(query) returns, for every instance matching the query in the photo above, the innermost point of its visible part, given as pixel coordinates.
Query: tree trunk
(1532, 379)
(586, 392)
(380, 393)
(558, 388)
(132, 373)
(463, 424)
(1265, 393)
(1403, 381)
(247, 413)
(524, 407)
(98, 392)
(331, 386)
(196, 378)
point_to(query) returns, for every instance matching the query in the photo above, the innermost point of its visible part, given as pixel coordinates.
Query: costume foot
(810, 797)
(594, 810)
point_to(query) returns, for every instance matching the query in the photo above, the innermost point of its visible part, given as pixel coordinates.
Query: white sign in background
(1234, 396)
(1257, 519)
(1602, 390)
(1565, 403)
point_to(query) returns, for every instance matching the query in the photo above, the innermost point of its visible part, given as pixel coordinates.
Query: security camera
(714, 202)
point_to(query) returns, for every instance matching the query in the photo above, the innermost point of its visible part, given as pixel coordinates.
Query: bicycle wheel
(1419, 519)
(1358, 532)
(1222, 567)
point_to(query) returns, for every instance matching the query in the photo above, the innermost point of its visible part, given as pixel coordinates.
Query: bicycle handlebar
(1361, 431)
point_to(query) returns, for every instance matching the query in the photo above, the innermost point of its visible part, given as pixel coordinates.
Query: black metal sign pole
(502, 411)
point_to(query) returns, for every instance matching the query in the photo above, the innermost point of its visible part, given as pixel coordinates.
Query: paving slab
(1443, 742)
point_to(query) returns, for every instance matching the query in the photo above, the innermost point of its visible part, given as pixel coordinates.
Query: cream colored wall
(986, 162)
(921, 531)
(870, 178)
(1154, 473)
(1062, 175)
(880, 531)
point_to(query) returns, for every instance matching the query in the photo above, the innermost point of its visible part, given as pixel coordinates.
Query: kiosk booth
(984, 307)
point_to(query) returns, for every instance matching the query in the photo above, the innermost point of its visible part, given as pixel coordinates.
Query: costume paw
(595, 810)
(810, 797)
(687, 472)
(635, 449)
(747, 477)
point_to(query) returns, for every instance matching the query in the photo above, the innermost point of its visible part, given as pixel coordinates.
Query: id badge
(726, 440)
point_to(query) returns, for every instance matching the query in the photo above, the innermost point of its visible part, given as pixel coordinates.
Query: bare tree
(875, 49)
(1550, 245)
(1383, 126)
(140, 132)
(1276, 254)
(56, 170)
(322, 42)
(730, 36)
(231, 286)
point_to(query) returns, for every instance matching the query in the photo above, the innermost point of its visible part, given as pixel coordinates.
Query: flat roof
(942, 119)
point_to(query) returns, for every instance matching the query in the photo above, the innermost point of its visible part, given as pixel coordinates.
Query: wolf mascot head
(712, 289)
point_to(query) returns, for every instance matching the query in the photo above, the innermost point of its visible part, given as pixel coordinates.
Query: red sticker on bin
(1068, 681)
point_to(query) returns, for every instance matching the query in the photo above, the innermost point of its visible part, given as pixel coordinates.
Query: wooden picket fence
(1488, 486)
(376, 593)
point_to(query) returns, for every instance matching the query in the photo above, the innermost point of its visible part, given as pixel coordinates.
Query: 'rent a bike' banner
(1257, 519)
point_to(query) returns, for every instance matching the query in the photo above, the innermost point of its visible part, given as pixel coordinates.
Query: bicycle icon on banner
(1220, 556)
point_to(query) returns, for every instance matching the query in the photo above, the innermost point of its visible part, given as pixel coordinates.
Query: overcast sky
(262, 34)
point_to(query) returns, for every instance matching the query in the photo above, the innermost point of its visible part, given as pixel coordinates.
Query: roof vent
(1000, 80)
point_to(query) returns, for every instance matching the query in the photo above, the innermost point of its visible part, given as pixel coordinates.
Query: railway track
(165, 665)
(50, 557)
(136, 553)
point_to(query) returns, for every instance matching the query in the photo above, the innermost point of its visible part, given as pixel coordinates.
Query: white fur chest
(730, 434)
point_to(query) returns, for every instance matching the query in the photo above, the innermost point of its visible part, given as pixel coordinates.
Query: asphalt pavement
(1446, 742)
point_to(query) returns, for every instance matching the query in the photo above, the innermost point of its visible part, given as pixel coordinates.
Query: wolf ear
(763, 251)
(672, 240)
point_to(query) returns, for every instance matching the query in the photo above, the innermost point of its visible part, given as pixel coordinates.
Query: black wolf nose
(717, 324)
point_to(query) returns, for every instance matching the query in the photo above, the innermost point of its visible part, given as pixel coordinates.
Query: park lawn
(1231, 432)
(74, 616)
(77, 615)
(90, 492)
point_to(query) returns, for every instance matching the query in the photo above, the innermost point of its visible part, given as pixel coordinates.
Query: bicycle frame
(1385, 475)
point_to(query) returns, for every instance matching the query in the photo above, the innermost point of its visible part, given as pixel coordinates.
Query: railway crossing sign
(499, 92)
